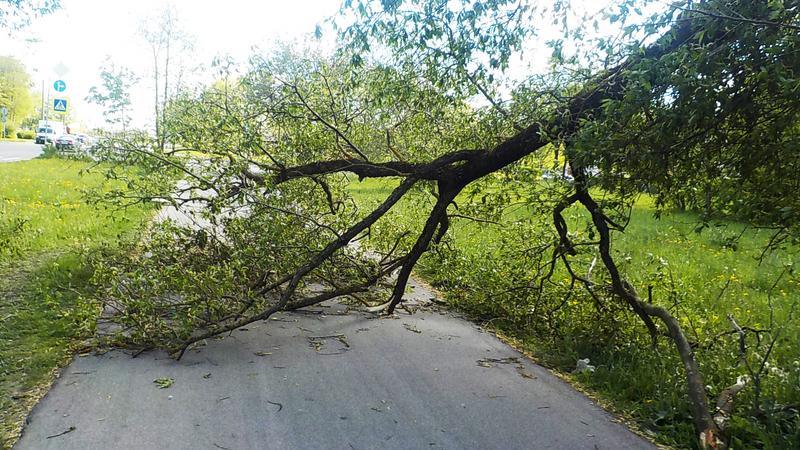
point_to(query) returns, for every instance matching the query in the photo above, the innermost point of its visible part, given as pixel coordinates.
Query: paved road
(328, 378)
(18, 151)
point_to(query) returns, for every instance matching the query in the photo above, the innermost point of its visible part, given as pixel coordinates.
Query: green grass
(701, 277)
(48, 235)
(42, 208)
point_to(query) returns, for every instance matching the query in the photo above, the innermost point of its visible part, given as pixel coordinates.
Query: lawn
(48, 236)
(701, 277)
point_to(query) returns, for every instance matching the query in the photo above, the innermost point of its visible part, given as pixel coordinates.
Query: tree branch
(721, 16)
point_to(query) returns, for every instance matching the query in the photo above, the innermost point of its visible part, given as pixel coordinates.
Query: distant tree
(15, 91)
(170, 48)
(114, 93)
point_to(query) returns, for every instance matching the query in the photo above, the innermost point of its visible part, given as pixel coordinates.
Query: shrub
(26, 134)
(49, 151)
(10, 131)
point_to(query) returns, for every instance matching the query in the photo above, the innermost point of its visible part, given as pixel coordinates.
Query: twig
(591, 268)
(332, 336)
(69, 430)
(742, 339)
(741, 19)
(474, 219)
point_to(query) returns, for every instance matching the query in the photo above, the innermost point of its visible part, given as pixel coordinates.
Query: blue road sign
(60, 104)
(60, 86)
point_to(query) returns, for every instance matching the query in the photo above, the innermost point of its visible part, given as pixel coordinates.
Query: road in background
(18, 151)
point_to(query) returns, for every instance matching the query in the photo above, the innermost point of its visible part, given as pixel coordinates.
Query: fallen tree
(283, 223)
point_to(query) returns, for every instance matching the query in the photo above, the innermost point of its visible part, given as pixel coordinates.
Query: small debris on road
(68, 430)
(490, 362)
(164, 383)
(318, 343)
(411, 328)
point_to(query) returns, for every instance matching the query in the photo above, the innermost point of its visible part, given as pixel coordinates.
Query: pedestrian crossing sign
(60, 104)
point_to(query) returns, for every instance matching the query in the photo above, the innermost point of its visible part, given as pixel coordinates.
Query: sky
(83, 33)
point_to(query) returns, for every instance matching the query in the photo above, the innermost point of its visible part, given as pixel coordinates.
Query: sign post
(4, 117)
(60, 104)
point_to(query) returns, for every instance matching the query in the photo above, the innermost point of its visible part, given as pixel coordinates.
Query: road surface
(18, 151)
(327, 378)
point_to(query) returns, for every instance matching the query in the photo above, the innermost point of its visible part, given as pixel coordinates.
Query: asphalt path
(18, 151)
(332, 377)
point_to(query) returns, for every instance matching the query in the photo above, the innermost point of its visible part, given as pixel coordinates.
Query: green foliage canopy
(15, 91)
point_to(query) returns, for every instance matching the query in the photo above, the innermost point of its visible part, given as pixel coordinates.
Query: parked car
(45, 135)
(48, 131)
(84, 140)
(67, 142)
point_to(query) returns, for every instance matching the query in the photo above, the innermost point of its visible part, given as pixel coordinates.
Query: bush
(10, 131)
(48, 151)
(26, 134)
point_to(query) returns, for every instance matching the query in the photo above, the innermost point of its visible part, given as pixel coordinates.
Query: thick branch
(474, 164)
(435, 218)
(698, 400)
(312, 264)
(359, 167)
(601, 224)
(709, 433)
(434, 170)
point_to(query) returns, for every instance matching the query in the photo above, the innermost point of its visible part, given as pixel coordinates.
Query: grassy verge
(700, 277)
(48, 236)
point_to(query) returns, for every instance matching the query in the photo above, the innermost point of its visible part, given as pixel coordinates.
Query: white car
(45, 135)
